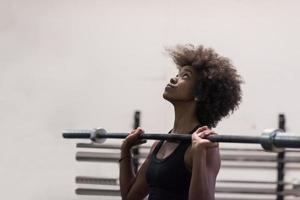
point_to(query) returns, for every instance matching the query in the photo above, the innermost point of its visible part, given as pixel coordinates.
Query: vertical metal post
(136, 151)
(280, 163)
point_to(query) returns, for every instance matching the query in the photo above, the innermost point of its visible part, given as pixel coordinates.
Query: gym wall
(83, 64)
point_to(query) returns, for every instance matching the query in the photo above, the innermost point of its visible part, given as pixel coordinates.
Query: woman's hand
(133, 139)
(198, 139)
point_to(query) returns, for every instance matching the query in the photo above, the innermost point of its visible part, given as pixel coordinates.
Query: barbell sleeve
(282, 140)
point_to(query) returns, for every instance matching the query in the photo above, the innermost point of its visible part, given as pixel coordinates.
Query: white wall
(83, 64)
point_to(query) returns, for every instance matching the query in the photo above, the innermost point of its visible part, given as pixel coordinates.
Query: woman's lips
(169, 86)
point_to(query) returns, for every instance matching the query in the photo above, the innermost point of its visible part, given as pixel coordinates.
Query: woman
(206, 89)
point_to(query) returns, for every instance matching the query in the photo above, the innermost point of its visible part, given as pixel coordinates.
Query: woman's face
(182, 87)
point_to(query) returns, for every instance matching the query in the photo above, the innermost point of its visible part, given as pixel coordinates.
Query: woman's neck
(185, 117)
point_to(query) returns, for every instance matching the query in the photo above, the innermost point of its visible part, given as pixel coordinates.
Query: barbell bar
(272, 140)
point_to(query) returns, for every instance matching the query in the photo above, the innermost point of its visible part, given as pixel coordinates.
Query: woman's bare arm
(203, 158)
(133, 186)
(205, 167)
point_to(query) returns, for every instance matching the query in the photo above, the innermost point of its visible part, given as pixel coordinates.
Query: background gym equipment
(232, 158)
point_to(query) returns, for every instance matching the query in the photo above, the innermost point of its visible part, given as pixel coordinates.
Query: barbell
(271, 140)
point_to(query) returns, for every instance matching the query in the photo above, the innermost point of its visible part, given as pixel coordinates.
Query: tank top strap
(190, 133)
(185, 144)
(157, 147)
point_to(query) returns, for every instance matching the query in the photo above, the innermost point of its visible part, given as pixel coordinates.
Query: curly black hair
(219, 86)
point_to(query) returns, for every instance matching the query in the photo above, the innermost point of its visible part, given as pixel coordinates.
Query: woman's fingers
(136, 133)
(199, 132)
(199, 137)
(202, 128)
(134, 138)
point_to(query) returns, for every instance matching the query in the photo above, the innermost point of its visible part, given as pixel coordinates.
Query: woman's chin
(167, 97)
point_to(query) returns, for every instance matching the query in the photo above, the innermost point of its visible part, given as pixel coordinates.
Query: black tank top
(168, 178)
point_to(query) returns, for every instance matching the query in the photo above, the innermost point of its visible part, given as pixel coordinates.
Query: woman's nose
(173, 80)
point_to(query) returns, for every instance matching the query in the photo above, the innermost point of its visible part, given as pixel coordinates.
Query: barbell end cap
(267, 140)
(95, 135)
